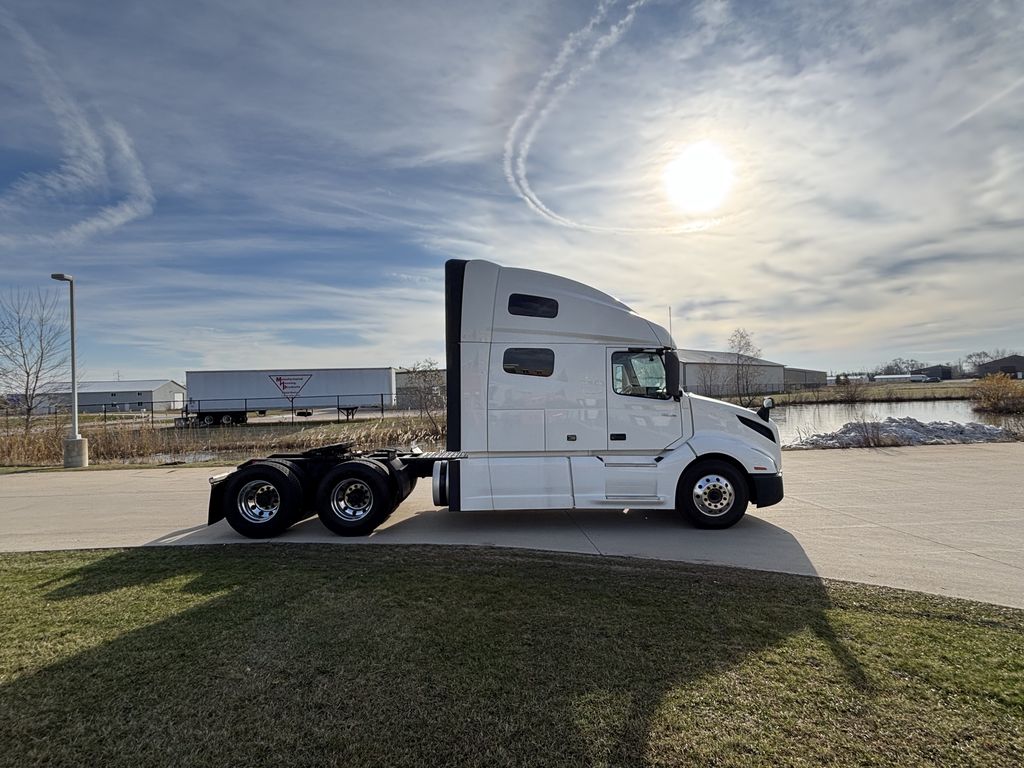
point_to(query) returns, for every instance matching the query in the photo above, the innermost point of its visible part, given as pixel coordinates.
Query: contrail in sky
(86, 165)
(560, 78)
(986, 104)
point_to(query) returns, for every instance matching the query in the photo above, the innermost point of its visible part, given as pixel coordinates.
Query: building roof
(1009, 359)
(125, 385)
(722, 358)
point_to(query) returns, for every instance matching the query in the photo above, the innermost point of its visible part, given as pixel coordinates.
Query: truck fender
(751, 458)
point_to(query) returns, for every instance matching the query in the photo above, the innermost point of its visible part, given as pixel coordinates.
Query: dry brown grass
(146, 443)
(863, 392)
(999, 394)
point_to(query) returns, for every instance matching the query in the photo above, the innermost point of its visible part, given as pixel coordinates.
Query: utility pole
(76, 447)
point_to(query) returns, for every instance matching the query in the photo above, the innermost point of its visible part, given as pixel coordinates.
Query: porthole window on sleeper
(525, 361)
(532, 306)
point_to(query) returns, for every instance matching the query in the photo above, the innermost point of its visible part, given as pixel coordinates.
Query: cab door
(642, 414)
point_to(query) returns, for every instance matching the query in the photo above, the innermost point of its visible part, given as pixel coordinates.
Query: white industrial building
(721, 374)
(115, 396)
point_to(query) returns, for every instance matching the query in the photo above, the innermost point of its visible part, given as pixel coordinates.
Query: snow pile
(906, 431)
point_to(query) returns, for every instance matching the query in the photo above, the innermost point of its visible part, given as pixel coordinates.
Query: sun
(699, 179)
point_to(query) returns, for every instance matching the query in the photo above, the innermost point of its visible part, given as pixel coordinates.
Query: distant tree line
(965, 366)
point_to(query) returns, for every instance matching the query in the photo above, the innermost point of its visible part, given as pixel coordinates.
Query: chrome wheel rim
(258, 501)
(351, 500)
(713, 495)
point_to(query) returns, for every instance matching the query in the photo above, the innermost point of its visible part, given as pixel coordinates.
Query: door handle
(617, 436)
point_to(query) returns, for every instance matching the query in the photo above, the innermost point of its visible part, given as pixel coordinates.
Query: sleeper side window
(639, 374)
(532, 306)
(526, 361)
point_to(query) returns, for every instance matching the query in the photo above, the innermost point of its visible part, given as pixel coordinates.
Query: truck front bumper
(767, 489)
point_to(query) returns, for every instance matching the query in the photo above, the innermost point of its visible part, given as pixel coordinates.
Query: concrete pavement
(942, 519)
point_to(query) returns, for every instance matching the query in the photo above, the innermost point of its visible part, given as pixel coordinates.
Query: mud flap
(216, 510)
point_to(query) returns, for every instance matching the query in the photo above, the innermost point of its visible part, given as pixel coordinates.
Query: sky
(255, 185)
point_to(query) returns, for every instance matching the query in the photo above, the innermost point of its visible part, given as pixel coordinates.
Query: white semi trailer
(559, 397)
(227, 397)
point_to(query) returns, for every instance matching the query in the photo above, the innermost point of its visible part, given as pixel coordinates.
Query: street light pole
(76, 447)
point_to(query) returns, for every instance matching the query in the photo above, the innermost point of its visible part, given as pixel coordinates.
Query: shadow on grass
(296, 655)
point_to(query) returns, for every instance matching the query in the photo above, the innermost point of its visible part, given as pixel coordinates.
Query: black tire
(227, 419)
(306, 509)
(355, 497)
(253, 491)
(208, 420)
(393, 483)
(712, 494)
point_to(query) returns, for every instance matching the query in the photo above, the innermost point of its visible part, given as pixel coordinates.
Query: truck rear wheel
(262, 500)
(354, 498)
(712, 494)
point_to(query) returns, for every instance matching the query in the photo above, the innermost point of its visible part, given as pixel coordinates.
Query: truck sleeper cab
(559, 397)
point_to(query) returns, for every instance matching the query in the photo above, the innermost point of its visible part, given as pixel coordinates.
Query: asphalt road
(942, 519)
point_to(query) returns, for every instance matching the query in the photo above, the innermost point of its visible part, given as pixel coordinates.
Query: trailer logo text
(290, 384)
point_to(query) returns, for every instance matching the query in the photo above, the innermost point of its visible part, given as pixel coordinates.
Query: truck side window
(532, 306)
(529, 362)
(639, 374)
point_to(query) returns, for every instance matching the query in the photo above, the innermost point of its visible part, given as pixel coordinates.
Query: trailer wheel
(262, 500)
(227, 419)
(208, 420)
(712, 494)
(354, 498)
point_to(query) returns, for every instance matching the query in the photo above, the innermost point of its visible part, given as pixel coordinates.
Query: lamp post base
(76, 452)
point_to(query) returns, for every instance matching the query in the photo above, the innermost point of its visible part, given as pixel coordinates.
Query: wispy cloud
(90, 160)
(579, 54)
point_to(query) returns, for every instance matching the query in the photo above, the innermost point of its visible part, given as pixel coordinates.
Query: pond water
(799, 421)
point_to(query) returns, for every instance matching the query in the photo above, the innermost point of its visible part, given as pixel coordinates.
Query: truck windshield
(639, 374)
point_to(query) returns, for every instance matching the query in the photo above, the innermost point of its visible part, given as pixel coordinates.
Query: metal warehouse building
(111, 396)
(804, 378)
(719, 374)
(1012, 365)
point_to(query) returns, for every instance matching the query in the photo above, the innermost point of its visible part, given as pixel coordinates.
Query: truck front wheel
(712, 494)
(354, 498)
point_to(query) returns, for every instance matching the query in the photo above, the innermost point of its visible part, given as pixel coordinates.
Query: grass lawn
(287, 655)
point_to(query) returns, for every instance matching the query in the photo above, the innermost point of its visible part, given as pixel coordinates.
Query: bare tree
(33, 347)
(741, 343)
(427, 391)
(711, 378)
(898, 365)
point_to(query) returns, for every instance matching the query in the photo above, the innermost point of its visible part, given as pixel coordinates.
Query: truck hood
(711, 416)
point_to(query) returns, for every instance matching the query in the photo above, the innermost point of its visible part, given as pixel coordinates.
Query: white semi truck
(559, 397)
